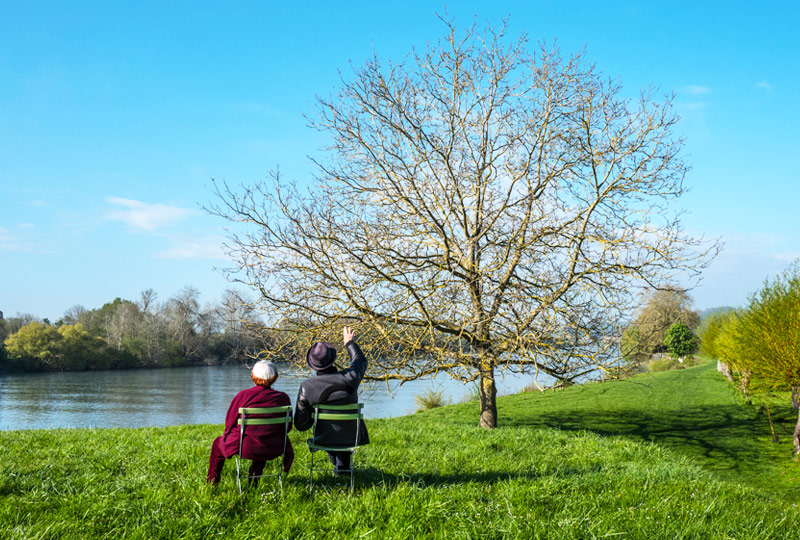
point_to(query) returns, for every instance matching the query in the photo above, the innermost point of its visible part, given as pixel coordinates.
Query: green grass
(693, 412)
(667, 455)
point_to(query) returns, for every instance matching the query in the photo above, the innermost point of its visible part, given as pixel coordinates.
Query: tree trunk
(744, 385)
(795, 438)
(488, 395)
(771, 426)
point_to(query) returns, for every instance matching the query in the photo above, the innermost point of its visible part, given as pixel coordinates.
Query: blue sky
(114, 116)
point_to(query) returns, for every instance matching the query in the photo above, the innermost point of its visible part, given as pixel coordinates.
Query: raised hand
(347, 335)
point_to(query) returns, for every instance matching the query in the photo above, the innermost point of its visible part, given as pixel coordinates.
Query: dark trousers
(340, 460)
(216, 462)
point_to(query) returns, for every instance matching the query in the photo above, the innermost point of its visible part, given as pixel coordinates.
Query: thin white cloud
(147, 217)
(788, 257)
(764, 85)
(696, 90)
(11, 242)
(209, 247)
(746, 244)
(769, 249)
(692, 98)
(151, 218)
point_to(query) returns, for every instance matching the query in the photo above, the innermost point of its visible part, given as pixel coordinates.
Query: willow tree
(770, 339)
(482, 205)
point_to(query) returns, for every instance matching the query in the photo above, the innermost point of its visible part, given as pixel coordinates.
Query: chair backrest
(254, 416)
(342, 415)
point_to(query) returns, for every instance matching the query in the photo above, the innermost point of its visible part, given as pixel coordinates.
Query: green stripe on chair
(265, 410)
(347, 407)
(340, 416)
(262, 421)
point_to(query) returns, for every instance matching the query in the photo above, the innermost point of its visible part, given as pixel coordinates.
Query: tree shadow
(723, 435)
(369, 478)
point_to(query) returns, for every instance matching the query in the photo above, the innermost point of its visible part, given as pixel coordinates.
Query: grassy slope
(432, 475)
(693, 412)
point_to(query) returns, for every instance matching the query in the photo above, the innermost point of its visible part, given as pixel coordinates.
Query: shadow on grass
(726, 437)
(368, 478)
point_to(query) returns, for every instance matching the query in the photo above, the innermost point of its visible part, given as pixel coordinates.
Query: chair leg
(282, 468)
(311, 475)
(238, 475)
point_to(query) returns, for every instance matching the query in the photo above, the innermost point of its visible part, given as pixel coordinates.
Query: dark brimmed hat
(321, 355)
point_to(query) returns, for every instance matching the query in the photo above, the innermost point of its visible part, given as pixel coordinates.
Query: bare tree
(74, 314)
(147, 300)
(479, 207)
(125, 322)
(241, 327)
(185, 321)
(13, 324)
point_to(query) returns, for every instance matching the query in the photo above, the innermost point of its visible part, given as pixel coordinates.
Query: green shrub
(430, 399)
(530, 388)
(680, 341)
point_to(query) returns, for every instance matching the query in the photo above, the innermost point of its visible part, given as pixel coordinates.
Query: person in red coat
(260, 443)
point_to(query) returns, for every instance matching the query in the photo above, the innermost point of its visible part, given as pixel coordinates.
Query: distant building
(1, 315)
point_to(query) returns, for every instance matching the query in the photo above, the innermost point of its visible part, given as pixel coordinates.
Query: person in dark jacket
(333, 387)
(260, 443)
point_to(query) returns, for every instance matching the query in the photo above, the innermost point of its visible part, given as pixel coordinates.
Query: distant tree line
(132, 334)
(760, 343)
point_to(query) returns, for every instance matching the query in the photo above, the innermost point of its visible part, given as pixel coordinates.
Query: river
(199, 395)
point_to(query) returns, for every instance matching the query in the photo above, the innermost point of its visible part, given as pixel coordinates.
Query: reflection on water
(165, 397)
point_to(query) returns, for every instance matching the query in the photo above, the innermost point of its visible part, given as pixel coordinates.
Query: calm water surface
(165, 397)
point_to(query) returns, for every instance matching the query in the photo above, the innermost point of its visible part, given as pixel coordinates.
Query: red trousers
(217, 461)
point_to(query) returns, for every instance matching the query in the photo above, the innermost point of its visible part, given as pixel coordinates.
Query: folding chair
(283, 415)
(342, 415)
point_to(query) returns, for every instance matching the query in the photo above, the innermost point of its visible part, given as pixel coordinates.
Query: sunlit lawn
(670, 455)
